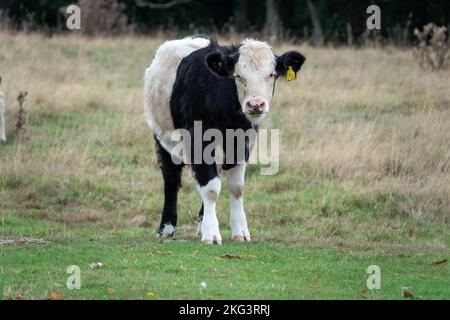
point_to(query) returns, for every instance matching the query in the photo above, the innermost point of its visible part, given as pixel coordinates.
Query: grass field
(364, 180)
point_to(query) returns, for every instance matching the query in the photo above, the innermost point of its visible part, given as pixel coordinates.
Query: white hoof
(210, 231)
(239, 229)
(243, 236)
(166, 233)
(239, 238)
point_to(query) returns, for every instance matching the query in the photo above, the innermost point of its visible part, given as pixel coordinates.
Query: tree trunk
(273, 27)
(317, 36)
(241, 15)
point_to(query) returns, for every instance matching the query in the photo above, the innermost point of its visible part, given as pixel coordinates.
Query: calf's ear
(220, 64)
(288, 64)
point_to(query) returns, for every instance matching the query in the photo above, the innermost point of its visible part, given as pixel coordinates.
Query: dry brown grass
(372, 118)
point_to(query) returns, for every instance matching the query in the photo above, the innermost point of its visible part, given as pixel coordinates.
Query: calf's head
(255, 68)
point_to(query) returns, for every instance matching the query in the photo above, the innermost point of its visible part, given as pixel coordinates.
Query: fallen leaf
(110, 291)
(440, 261)
(166, 253)
(56, 295)
(151, 293)
(314, 286)
(407, 294)
(231, 256)
(18, 296)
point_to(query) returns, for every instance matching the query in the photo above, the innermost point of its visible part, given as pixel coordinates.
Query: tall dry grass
(375, 119)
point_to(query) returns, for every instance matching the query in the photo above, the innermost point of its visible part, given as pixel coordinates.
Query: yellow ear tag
(290, 74)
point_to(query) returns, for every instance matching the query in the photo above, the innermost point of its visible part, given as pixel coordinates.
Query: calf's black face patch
(221, 64)
(290, 59)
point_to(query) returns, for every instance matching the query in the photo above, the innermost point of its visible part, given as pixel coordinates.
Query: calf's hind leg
(171, 173)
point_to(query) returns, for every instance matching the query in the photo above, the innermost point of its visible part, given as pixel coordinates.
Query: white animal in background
(2, 115)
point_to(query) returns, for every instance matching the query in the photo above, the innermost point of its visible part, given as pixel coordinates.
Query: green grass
(135, 265)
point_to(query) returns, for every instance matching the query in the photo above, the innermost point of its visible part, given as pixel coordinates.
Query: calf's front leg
(238, 220)
(208, 186)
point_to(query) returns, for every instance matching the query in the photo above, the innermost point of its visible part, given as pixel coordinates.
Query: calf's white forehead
(255, 57)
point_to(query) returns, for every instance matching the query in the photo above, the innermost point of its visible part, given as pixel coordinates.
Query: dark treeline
(317, 21)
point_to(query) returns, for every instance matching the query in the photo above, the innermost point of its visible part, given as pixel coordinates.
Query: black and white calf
(224, 87)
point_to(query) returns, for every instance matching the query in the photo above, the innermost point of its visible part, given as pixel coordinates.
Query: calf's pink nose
(255, 106)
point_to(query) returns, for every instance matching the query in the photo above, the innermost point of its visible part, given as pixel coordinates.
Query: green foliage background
(336, 16)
